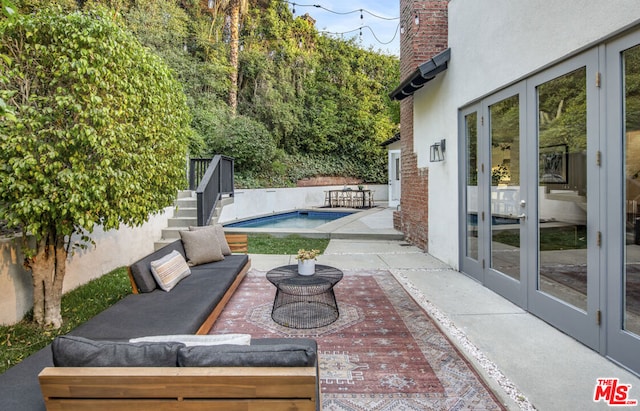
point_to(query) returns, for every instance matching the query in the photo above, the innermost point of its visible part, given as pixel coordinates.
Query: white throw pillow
(191, 340)
(169, 270)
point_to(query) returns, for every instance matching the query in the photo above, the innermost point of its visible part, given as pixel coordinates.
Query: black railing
(211, 183)
(197, 168)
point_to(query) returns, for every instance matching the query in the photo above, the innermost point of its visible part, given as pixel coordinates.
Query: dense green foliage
(99, 128)
(307, 103)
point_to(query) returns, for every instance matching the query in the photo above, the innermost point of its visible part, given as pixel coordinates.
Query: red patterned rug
(383, 352)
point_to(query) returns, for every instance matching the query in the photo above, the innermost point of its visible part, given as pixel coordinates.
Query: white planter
(306, 267)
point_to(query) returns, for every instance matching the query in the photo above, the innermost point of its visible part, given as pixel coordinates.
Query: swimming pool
(294, 219)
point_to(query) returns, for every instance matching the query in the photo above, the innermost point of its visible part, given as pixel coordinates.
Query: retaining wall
(113, 249)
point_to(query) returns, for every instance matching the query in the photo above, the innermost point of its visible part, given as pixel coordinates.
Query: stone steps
(185, 215)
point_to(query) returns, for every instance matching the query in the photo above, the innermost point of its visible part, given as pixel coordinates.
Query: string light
(362, 11)
(365, 27)
(318, 6)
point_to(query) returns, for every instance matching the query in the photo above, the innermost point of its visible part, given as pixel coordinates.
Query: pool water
(294, 219)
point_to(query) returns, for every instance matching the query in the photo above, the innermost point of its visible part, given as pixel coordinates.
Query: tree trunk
(233, 54)
(48, 268)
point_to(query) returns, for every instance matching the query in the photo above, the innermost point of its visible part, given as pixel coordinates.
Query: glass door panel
(562, 188)
(504, 123)
(631, 283)
(471, 139)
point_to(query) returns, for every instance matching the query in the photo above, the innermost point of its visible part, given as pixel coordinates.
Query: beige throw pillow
(169, 270)
(201, 246)
(219, 230)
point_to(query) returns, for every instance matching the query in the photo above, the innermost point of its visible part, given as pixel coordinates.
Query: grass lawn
(24, 338)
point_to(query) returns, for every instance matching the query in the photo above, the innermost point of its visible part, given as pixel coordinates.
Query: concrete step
(182, 221)
(187, 202)
(191, 212)
(163, 242)
(186, 194)
(172, 233)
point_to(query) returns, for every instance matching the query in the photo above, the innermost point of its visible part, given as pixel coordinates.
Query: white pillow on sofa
(191, 340)
(169, 270)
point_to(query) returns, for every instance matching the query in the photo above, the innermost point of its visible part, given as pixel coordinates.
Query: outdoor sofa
(257, 376)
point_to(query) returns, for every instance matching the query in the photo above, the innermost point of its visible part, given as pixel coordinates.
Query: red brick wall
(418, 43)
(328, 181)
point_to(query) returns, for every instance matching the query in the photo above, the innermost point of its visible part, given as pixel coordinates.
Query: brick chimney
(423, 34)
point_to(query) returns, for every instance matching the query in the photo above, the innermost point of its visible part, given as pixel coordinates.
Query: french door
(564, 218)
(493, 193)
(550, 196)
(622, 201)
(530, 197)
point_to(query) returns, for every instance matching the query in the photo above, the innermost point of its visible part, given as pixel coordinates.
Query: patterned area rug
(383, 352)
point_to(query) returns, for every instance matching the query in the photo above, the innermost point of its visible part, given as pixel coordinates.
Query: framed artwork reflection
(553, 164)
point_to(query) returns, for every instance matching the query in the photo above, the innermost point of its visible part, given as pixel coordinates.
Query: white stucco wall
(113, 249)
(394, 146)
(494, 43)
(258, 202)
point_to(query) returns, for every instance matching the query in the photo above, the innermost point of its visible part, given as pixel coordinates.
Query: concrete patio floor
(528, 363)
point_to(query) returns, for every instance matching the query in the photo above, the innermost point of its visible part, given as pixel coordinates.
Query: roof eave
(425, 72)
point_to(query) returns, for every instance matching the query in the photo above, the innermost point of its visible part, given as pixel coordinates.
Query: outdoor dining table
(348, 197)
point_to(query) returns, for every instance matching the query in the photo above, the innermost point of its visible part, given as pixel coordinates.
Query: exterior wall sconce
(436, 151)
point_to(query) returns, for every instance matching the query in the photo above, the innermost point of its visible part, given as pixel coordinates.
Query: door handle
(522, 216)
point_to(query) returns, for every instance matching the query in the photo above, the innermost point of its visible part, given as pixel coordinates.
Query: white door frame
(394, 178)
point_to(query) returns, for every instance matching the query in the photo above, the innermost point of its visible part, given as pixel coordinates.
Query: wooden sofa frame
(184, 388)
(188, 388)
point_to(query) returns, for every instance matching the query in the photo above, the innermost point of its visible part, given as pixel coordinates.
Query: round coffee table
(304, 301)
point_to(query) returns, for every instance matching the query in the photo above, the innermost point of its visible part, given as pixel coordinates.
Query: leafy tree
(235, 10)
(9, 12)
(99, 137)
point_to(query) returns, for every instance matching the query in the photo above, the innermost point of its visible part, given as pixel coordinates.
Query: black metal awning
(392, 140)
(425, 72)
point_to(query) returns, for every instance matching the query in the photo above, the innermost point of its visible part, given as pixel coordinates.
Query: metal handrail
(216, 181)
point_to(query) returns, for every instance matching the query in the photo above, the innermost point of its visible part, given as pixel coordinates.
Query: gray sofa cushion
(70, 351)
(141, 269)
(290, 354)
(180, 311)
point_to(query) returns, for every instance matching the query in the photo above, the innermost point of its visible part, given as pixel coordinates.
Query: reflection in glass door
(471, 139)
(623, 92)
(565, 287)
(562, 192)
(504, 126)
(631, 283)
